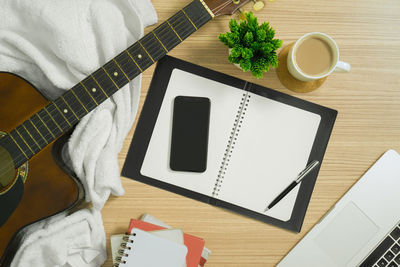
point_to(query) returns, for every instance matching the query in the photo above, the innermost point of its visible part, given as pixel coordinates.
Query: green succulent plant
(252, 46)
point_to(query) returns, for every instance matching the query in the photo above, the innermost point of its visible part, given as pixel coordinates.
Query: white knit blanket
(54, 44)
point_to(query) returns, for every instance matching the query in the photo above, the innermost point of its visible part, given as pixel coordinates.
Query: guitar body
(48, 189)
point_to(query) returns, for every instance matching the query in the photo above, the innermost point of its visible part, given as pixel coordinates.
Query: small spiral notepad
(146, 250)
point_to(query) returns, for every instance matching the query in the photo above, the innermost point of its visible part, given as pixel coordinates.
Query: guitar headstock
(225, 7)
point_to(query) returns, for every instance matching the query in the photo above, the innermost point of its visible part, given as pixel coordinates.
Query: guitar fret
(75, 104)
(88, 101)
(37, 130)
(80, 102)
(110, 78)
(189, 19)
(104, 81)
(182, 25)
(98, 92)
(15, 141)
(153, 46)
(68, 108)
(197, 13)
(134, 61)
(89, 94)
(101, 88)
(143, 59)
(146, 51)
(167, 36)
(23, 140)
(51, 117)
(174, 31)
(30, 135)
(47, 127)
(61, 113)
(166, 50)
(116, 63)
(116, 76)
(127, 65)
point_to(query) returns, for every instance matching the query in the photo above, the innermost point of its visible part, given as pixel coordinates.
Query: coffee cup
(314, 56)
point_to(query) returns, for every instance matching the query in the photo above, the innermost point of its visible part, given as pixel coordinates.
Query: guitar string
(64, 124)
(103, 76)
(52, 108)
(222, 6)
(201, 19)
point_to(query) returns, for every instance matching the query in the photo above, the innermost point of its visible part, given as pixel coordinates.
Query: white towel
(75, 240)
(54, 44)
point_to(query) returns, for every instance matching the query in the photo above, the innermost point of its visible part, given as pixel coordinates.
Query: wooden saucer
(288, 80)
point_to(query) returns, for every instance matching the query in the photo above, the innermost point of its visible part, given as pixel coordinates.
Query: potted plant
(252, 46)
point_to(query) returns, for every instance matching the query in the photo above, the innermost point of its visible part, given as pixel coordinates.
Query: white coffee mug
(337, 66)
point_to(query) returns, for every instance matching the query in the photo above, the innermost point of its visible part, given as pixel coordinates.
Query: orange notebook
(194, 244)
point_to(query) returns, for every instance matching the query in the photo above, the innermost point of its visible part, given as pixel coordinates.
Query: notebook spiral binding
(124, 245)
(244, 102)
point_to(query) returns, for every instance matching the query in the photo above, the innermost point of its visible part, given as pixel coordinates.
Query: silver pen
(290, 187)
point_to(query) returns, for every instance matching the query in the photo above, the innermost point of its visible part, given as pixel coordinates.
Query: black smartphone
(189, 141)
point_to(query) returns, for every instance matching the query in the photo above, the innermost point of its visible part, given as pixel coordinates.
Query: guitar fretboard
(60, 115)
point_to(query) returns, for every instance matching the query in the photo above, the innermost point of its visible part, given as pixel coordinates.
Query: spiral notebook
(259, 140)
(197, 254)
(175, 235)
(147, 250)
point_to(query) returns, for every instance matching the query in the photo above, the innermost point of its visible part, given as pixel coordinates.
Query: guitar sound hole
(7, 171)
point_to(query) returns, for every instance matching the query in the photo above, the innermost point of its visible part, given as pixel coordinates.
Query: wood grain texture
(367, 98)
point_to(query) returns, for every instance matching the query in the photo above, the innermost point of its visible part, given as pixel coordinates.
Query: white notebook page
(148, 250)
(175, 235)
(273, 146)
(225, 101)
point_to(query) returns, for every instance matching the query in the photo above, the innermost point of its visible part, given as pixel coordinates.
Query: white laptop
(362, 229)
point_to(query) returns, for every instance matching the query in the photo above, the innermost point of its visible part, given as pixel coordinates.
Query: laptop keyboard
(387, 253)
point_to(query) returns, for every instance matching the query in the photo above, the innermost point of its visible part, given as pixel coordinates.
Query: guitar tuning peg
(258, 5)
(242, 14)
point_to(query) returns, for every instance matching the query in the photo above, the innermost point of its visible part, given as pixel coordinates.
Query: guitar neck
(60, 115)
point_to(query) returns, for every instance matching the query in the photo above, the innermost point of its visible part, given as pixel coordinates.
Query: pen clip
(304, 172)
(299, 178)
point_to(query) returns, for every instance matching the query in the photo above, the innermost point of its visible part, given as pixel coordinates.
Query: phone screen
(189, 142)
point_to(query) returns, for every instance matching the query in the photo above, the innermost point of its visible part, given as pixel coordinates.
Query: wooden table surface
(368, 124)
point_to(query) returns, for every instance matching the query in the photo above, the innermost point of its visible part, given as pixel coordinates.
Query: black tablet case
(148, 118)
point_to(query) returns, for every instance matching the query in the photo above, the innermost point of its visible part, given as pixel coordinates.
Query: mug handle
(342, 66)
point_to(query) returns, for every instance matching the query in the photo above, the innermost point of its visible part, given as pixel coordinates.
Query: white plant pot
(237, 65)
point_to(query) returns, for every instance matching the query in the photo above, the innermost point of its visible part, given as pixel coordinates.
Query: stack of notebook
(150, 242)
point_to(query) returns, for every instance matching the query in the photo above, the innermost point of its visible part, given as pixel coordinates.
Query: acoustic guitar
(34, 181)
